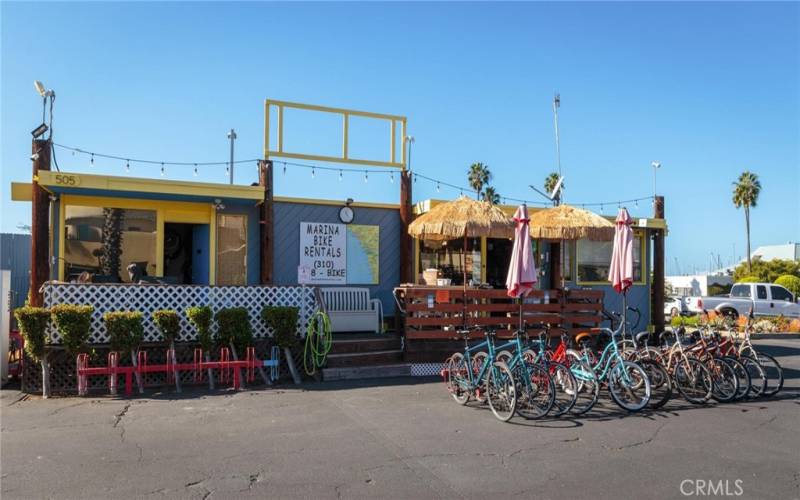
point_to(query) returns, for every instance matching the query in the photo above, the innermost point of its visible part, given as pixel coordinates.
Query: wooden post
(657, 290)
(40, 223)
(406, 251)
(555, 265)
(267, 227)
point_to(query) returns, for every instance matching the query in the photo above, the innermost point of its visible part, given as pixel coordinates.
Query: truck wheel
(730, 314)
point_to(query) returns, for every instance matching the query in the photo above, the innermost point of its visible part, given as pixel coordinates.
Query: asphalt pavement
(399, 438)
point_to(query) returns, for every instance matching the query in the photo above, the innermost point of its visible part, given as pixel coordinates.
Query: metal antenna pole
(232, 137)
(556, 105)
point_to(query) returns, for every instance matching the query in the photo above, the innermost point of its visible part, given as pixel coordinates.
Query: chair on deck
(352, 310)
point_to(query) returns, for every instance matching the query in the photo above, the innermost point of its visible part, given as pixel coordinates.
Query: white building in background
(789, 251)
(694, 285)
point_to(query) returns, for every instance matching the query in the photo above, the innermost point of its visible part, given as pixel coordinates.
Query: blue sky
(708, 89)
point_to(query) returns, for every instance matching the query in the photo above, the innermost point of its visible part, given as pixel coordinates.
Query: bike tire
(501, 391)
(566, 388)
(758, 377)
(629, 386)
(774, 373)
(726, 384)
(535, 390)
(457, 379)
(660, 383)
(477, 363)
(693, 381)
(742, 374)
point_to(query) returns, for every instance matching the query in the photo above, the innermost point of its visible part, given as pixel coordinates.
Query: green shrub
(791, 283)
(234, 327)
(749, 279)
(685, 321)
(33, 323)
(74, 323)
(169, 323)
(283, 320)
(125, 329)
(201, 317)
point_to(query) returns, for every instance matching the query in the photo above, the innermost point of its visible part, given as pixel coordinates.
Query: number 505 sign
(67, 180)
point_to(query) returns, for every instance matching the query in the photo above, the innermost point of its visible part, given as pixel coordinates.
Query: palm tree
(478, 176)
(550, 184)
(745, 194)
(491, 195)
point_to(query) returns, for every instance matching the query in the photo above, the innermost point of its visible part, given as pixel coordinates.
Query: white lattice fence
(150, 298)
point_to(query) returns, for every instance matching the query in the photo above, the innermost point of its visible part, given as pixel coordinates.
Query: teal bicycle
(628, 383)
(476, 373)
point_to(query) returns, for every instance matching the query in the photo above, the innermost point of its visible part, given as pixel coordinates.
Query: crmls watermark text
(711, 488)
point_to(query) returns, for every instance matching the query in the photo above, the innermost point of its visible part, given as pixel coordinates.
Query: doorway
(186, 257)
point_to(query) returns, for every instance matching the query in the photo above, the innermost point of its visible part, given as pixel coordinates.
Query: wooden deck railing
(432, 312)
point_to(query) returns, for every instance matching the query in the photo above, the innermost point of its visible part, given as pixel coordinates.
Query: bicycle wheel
(535, 390)
(458, 380)
(504, 356)
(758, 377)
(500, 391)
(566, 388)
(774, 373)
(693, 381)
(478, 361)
(742, 375)
(629, 386)
(588, 386)
(725, 383)
(660, 383)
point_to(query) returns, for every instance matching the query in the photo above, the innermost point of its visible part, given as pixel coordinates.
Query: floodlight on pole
(656, 165)
(232, 137)
(409, 139)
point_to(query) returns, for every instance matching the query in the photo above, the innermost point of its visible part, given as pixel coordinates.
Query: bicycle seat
(641, 338)
(582, 336)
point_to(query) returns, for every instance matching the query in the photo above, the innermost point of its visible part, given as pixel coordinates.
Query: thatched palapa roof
(565, 222)
(462, 217)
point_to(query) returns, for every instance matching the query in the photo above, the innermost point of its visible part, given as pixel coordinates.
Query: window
(448, 257)
(741, 291)
(231, 249)
(761, 290)
(594, 260)
(780, 293)
(105, 241)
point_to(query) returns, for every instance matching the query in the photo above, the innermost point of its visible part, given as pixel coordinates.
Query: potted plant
(126, 332)
(201, 317)
(33, 323)
(283, 321)
(234, 331)
(74, 323)
(169, 323)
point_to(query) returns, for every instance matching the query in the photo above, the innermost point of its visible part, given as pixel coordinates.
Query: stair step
(345, 345)
(388, 356)
(364, 372)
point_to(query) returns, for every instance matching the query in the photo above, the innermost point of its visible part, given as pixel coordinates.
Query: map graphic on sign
(339, 254)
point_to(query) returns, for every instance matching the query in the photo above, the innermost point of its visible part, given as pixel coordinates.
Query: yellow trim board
(159, 186)
(335, 203)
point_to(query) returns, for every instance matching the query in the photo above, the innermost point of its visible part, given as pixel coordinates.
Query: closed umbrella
(620, 273)
(522, 270)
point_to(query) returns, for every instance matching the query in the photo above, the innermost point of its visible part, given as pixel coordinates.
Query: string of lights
(340, 170)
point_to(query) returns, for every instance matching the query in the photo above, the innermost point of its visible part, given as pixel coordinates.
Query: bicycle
(725, 382)
(690, 376)
(494, 376)
(772, 369)
(588, 388)
(627, 382)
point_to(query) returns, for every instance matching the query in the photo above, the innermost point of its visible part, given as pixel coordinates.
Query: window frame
(641, 235)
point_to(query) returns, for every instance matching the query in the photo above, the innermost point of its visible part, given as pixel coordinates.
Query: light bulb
(391, 177)
(366, 176)
(195, 169)
(313, 173)
(162, 169)
(91, 162)
(340, 176)
(127, 166)
(438, 188)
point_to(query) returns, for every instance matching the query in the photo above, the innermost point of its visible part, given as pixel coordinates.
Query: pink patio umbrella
(522, 269)
(620, 274)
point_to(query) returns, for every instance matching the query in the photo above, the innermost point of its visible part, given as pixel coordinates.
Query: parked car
(674, 306)
(765, 299)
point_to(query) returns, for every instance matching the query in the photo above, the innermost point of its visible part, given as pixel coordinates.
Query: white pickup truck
(765, 299)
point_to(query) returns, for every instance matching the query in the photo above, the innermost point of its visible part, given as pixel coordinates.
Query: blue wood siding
(288, 217)
(15, 255)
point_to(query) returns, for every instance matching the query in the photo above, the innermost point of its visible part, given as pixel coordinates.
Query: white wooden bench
(351, 310)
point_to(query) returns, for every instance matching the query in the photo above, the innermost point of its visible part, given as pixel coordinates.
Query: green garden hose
(318, 342)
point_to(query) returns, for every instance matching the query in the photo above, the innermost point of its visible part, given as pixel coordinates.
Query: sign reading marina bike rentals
(323, 254)
(339, 254)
